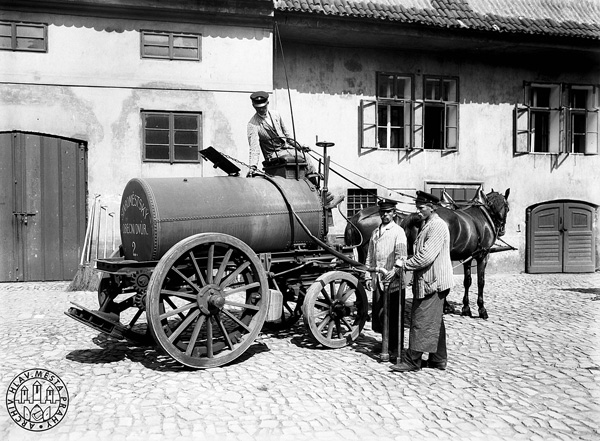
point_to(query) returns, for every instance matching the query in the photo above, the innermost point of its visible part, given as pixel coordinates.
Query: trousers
(427, 330)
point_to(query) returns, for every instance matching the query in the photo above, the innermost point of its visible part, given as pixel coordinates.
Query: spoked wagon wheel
(335, 309)
(127, 307)
(207, 300)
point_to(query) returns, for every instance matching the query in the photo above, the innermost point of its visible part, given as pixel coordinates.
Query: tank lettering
(133, 200)
(139, 229)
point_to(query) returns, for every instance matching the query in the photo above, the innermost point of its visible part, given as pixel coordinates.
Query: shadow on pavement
(595, 291)
(113, 350)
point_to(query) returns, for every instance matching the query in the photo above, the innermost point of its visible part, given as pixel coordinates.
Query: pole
(112, 234)
(105, 230)
(385, 336)
(93, 221)
(401, 301)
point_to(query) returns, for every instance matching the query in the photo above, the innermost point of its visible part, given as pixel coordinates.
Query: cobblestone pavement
(530, 372)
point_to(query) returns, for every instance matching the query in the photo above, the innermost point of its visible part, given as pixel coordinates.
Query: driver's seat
(285, 166)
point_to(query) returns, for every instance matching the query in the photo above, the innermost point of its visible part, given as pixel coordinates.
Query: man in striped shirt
(432, 280)
(387, 244)
(265, 132)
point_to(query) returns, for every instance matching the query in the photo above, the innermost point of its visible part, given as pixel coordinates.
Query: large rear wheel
(207, 300)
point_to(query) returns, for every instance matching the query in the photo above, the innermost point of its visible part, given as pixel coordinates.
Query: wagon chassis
(207, 299)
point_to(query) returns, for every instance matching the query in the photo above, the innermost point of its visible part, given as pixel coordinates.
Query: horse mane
(496, 200)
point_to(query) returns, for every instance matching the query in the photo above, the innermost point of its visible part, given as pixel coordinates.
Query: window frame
(351, 203)
(449, 143)
(373, 123)
(14, 36)
(449, 186)
(560, 119)
(171, 47)
(171, 115)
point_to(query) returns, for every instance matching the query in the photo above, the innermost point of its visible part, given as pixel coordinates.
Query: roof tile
(557, 17)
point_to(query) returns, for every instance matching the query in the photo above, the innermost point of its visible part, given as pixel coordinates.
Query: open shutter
(565, 136)
(591, 132)
(451, 126)
(408, 121)
(368, 124)
(418, 127)
(565, 131)
(522, 141)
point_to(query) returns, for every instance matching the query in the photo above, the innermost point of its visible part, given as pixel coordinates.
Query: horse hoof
(483, 314)
(466, 312)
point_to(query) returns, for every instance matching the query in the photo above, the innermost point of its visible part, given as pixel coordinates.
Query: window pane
(5, 30)
(397, 116)
(433, 126)
(29, 43)
(180, 41)
(156, 39)
(157, 152)
(386, 86)
(157, 136)
(403, 88)
(382, 138)
(186, 153)
(449, 92)
(540, 97)
(185, 53)
(5, 42)
(186, 122)
(396, 138)
(157, 121)
(540, 131)
(579, 98)
(30, 31)
(432, 89)
(186, 137)
(156, 51)
(382, 115)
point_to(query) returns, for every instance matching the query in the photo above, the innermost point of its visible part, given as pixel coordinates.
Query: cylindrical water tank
(157, 213)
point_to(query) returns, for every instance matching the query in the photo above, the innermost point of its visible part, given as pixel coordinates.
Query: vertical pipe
(105, 231)
(112, 234)
(385, 339)
(401, 301)
(93, 226)
(102, 209)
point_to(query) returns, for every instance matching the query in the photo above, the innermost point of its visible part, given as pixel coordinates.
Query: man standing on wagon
(387, 245)
(267, 132)
(432, 280)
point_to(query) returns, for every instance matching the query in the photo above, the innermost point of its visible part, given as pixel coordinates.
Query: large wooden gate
(42, 206)
(560, 238)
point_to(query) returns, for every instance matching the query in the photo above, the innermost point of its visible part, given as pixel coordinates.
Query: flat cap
(259, 99)
(426, 198)
(386, 204)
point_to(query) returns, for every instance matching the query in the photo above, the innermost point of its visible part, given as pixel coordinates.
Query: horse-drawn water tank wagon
(206, 261)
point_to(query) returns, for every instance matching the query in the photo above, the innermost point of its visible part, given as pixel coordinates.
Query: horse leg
(481, 264)
(466, 310)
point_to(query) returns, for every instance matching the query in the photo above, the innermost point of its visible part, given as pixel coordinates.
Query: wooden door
(46, 207)
(579, 255)
(560, 238)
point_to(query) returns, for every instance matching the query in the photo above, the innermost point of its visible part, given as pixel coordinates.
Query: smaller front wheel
(335, 309)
